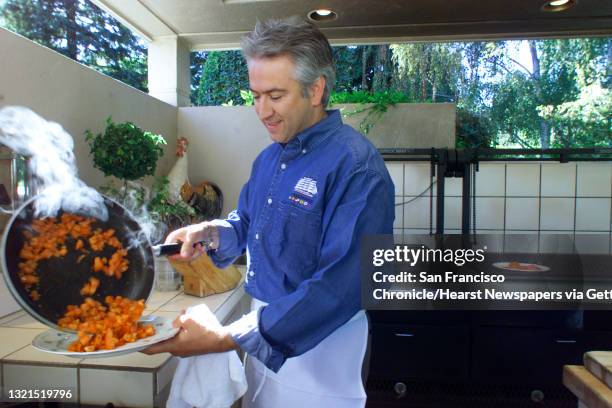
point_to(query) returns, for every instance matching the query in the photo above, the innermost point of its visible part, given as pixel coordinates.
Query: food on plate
(107, 327)
(523, 266)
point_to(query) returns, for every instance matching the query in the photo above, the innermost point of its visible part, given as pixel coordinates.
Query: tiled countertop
(134, 380)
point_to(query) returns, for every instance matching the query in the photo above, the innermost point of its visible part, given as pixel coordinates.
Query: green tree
(81, 31)
(430, 71)
(224, 75)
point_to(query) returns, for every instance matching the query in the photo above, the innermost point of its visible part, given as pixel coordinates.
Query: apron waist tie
(261, 384)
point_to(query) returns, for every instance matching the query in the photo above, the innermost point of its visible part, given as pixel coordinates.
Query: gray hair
(304, 43)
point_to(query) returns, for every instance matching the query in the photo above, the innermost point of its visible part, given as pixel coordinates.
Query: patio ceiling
(219, 24)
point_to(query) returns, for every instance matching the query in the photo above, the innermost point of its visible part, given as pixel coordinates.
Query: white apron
(329, 375)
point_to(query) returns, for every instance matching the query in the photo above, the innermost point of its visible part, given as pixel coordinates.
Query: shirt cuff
(245, 332)
(227, 235)
(227, 242)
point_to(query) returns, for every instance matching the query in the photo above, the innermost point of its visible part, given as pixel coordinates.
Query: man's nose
(264, 109)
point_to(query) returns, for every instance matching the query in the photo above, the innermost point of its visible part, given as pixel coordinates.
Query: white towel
(213, 380)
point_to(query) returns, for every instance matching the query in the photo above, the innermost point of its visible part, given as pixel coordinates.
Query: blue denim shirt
(300, 218)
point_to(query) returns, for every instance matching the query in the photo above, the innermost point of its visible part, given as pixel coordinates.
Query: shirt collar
(310, 137)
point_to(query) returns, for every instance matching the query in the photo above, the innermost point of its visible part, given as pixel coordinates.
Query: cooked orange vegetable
(90, 287)
(48, 239)
(105, 327)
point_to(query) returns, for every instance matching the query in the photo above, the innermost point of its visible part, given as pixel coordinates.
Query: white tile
(15, 339)
(396, 171)
(121, 388)
(491, 179)
(453, 187)
(165, 373)
(416, 212)
(157, 298)
(557, 214)
(183, 301)
(558, 179)
(592, 214)
(25, 322)
(416, 178)
(18, 376)
(399, 212)
(452, 213)
(490, 213)
(29, 354)
(522, 213)
(132, 360)
(11, 316)
(594, 179)
(523, 180)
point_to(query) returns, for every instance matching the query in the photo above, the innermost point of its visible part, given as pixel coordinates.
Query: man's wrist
(227, 342)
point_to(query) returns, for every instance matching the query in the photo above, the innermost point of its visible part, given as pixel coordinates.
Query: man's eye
(256, 97)
(275, 98)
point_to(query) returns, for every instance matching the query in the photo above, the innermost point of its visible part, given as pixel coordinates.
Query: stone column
(169, 70)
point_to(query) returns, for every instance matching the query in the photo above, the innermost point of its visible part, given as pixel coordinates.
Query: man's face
(279, 101)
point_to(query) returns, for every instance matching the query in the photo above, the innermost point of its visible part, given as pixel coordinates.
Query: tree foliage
(223, 76)
(81, 31)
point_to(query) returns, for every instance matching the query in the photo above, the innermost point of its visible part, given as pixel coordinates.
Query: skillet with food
(63, 280)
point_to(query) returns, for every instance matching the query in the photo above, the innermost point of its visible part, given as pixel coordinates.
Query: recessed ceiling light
(558, 5)
(322, 15)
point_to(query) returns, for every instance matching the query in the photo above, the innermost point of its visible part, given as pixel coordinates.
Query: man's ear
(316, 91)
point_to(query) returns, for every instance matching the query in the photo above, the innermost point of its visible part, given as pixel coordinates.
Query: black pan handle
(173, 249)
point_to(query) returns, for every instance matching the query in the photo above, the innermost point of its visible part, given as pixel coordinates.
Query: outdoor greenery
(80, 30)
(125, 151)
(528, 93)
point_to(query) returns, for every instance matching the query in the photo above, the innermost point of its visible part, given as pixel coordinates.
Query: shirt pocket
(295, 238)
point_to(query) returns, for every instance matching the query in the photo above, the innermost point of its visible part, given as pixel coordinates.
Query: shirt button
(283, 166)
(269, 201)
(304, 151)
(251, 273)
(256, 236)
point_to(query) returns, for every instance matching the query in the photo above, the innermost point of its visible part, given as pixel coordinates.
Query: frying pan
(61, 279)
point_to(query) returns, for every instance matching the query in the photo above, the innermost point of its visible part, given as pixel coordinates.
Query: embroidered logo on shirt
(300, 200)
(306, 186)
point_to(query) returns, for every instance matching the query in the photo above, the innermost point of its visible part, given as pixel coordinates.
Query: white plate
(536, 267)
(57, 342)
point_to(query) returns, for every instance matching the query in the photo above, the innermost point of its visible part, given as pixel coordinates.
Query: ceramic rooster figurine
(178, 177)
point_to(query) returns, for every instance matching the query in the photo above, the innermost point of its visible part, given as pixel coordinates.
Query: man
(311, 197)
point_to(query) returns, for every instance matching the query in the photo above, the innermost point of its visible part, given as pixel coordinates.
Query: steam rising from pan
(52, 162)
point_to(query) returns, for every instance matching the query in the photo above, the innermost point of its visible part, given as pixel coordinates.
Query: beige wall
(223, 142)
(78, 98)
(413, 125)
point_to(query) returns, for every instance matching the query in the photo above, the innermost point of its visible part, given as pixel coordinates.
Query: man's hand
(204, 232)
(193, 339)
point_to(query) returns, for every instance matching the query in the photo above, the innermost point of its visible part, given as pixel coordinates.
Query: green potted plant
(125, 151)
